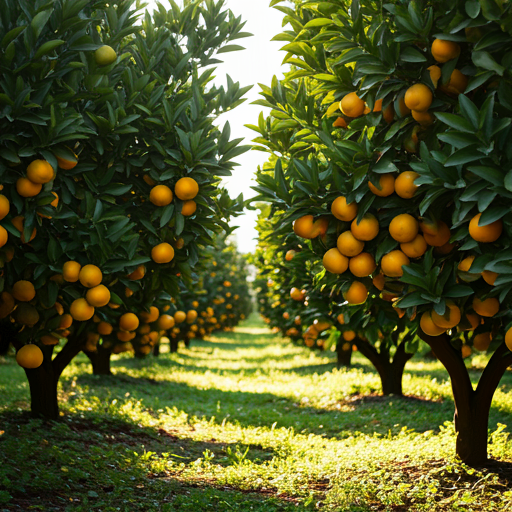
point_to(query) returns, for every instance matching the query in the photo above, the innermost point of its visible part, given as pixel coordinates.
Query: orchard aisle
(242, 422)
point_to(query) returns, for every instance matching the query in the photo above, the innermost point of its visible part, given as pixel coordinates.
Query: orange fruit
(392, 262)
(138, 273)
(192, 315)
(356, 294)
(415, 248)
(385, 186)
(367, 229)
(297, 294)
(307, 227)
(341, 319)
(343, 210)
(435, 74)
(4, 236)
(443, 50)
(404, 184)
(470, 322)
(457, 83)
(289, 255)
(466, 263)
(351, 105)
(40, 171)
(149, 180)
(489, 277)
(180, 317)
(105, 55)
(362, 265)
(389, 114)
(189, 208)
(450, 319)
(19, 224)
(428, 326)
(466, 351)
(162, 253)
(377, 106)
(71, 271)
(125, 335)
(161, 195)
(508, 339)
(334, 261)
(442, 236)
(66, 164)
(340, 123)
(186, 188)
(482, 341)
(379, 281)
(349, 335)
(5, 206)
(29, 356)
(166, 322)
(48, 339)
(98, 296)
(418, 97)
(81, 310)
(180, 243)
(424, 118)
(150, 317)
(348, 245)
(90, 276)
(66, 321)
(128, 322)
(6, 304)
(23, 291)
(26, 314)
(403, 228)
(145, 329)
(486, 234)
(488, 307)
(27, 188)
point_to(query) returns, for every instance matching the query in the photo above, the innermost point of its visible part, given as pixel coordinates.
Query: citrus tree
(413, 163)
(111, 163)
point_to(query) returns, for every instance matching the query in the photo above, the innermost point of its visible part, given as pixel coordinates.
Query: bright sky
(257, 64)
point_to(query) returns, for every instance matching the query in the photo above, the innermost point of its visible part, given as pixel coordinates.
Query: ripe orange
(471, 320)
(443, 50)
(488, 307)
(424, 118)
(362, 265)
(98, 296)
(71, 271)
(404, 184)
(385, 185)
(307, 227)
(348, 245)
(128, 322)
(138, 273)
(149, 180)
(26, 314)
(343, 210)
(166, 322)
(403, 228)
(466, 263)
(379, 281)
(349, 335)
(428, 326)
(27, 188)
(457, 83)
(180, 317)
(367, 229)
(4, 236)
(418, 97)
(192, 315)
(356, 294)
(81, 310)
(40, 171)
(5, 206)
(189, 208)
(66, 164)
(297, 294)
(162, 253)
(289, 255)
(508, 339)
(486, 234)
(392, 262)
(335, 262)
(19, 224)
(186, 188)
(125, 335)
(439, 239)
(23, 291)
(341, 319)
(161, 195)
(90, 276)
(489, 277)
(415, 248)
(6, 304)
(482, 341)
(150, 317)
(389, 114)
(435, 74)
(66, 321)
(340, 123)
(145, 329)
(48, 339)
(29, 356)
(180, 243)
(351, 105)
(450, 319)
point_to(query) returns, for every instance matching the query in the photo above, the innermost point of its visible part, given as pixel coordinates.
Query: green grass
(245, 422)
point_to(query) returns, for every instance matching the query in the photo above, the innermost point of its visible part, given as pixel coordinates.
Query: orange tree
(416, 166)
(110, 163)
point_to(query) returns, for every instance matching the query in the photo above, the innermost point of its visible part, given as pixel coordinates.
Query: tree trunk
(344, 356)
(100, 361)
(4, 345)
(472, 407)
(173, 345)
(156, 349)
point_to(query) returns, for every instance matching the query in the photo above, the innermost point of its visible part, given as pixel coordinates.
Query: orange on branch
(441, 237)
(186, 188)
(449, 319)
(27, 188)
(428, 326)
(443, 50)
(23, 291)
(362, 265)
(161, 195)
(348, 245)
(128, 322)
(90, 276)
(98, 296)
(162, 253)
(403, 228)
(71, 271)
(418, 97)
(343, 210)
(392, 263)
(487, 307)
(40, 171)
(486, 234)
(385, 185)
(356, 294)
(335, 262)
(351, 105)
(367, 229)
(29, 356)
(404, 184)
(189, 208)
(5, 206)
(81, 310)
(415, 248)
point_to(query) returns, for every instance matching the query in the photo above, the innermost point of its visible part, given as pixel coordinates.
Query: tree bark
(344, 356)
(173, 345)
(472, 406)
(156, 350)
(100, 361)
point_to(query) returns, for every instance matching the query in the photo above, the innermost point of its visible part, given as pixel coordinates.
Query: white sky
(257, 64)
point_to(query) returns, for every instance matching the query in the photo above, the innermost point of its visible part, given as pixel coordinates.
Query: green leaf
(230, 48)
(472, 8)
(410, 54)
(48, 47)
(456, 122)
(493, 214)
(318, 22)
(485, 60)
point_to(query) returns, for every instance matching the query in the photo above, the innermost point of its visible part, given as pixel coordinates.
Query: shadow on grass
(96, 461)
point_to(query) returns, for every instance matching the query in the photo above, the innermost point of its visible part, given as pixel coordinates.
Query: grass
(245, 422)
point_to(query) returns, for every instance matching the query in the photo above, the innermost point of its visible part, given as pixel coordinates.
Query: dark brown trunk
(472, 407)
(100, 361)
(156, 349)
(344, 356)
(173, 345)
